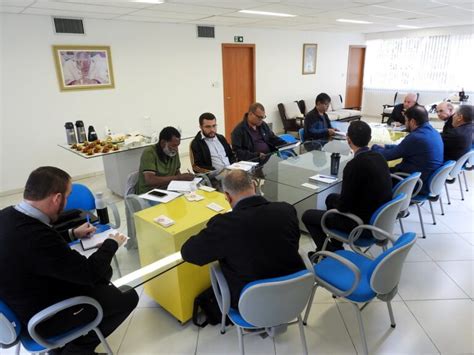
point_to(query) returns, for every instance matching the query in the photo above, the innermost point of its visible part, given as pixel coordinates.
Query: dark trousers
(312, 221)
(116, 306)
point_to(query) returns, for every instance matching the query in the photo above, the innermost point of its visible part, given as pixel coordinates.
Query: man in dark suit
(252, 138)
(256, 240)
(317, 126)
(445, 111)
(397, 117)
(210, 150)
(40, 269)
(458, 139)
(366, 185)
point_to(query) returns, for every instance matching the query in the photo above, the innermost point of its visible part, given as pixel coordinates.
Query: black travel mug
(335, 159)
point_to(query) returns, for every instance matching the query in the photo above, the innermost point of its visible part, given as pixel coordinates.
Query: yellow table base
(176, 289)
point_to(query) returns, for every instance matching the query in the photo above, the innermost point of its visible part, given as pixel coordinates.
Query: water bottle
(101, 208)
(81, 132)
(193, 188)
(335, 159)
(70, 133)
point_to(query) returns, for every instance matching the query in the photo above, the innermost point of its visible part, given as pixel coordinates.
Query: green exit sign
(238, 39)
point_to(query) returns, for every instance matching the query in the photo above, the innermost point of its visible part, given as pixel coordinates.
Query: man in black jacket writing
(43, 270)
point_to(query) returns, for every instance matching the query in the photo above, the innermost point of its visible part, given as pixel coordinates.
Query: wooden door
(238, 67)
(355, 76)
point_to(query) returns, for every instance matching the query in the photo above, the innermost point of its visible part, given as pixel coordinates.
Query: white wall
(161, 70)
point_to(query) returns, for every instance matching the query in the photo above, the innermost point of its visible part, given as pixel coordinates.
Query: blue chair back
(460, 164)
(385, 270)
(301, 134)
(288, 138)
(274, 301)
(386, 215)
(10, 325)
(438, 178)
(81, 197)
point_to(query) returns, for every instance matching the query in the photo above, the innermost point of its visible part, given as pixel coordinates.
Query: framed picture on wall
(310, 51)
(83, 67)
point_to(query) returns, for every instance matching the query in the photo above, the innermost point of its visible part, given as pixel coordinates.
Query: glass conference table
(158, 265)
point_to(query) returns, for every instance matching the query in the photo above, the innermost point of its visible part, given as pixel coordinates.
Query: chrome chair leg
(103, 341)
(421, 221)
(310, 303)
(303, 338)
(432, 213)
(447, 193)
(441, 204)
(401, 226)
(361, 328)
(390, 313)
(460, 188)
(241, 340)
(465, 180)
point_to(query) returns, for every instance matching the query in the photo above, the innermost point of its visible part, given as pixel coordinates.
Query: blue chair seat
(364, 241)
(29, 344)
(337, 274)
(236, 318)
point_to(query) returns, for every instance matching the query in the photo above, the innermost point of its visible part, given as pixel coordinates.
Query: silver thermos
(70, 133)
(81, 132)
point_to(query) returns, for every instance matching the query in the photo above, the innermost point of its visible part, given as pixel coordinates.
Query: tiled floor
(434, 308)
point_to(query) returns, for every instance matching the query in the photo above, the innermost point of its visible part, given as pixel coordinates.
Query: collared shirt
(361, 150)
(258, 141)
(25, 208)
(219, 157)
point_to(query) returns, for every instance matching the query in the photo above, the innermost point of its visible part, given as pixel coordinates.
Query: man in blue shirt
(421, 150)
(317, 126)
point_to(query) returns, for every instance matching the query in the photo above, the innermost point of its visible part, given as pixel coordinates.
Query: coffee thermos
(92, 135)
(335, 160)
(81, 132)
(70, 133)
(101, 208)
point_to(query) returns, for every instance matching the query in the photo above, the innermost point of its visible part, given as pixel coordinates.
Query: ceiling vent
(68, 25)
(205, 32)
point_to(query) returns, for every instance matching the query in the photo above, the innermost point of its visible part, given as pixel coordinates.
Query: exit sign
(238, 39)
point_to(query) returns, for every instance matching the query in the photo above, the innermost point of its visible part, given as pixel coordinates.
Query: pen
(328, 177)
(88, 220)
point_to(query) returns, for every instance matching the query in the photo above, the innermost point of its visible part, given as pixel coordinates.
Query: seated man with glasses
(252, 138)
(210, 151)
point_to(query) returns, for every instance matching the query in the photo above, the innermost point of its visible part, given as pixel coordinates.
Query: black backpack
(210, 313)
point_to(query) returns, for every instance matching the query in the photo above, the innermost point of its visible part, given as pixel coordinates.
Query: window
(431, 63)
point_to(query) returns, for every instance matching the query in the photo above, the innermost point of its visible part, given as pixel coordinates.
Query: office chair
(285, 154)
(456, 172)
(12, 333)
(383, 219)
(355, 277)
(435, 185)
(410, 186)
(82, 198)
(265, 306)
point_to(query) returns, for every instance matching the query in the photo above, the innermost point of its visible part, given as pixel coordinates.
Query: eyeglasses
(259, 117)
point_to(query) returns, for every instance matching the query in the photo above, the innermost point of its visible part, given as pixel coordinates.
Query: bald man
(445, 111)
(398, 114)
(256, 240)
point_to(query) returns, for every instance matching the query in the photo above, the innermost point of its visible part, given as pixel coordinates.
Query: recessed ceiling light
(354, 21)
(252, 12)
(149, 1)
(408, 26)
